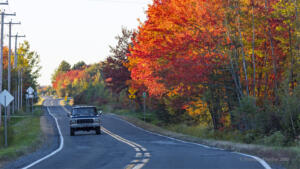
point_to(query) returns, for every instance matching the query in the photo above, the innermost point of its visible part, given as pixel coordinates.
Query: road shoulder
(50, 142)
(269, 154)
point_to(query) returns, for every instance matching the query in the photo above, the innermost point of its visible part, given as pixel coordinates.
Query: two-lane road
(122, 145)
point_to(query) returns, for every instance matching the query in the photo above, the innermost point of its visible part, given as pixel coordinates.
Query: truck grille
(85, 121)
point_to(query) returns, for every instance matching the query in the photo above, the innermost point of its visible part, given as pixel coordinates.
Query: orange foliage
(177, 44)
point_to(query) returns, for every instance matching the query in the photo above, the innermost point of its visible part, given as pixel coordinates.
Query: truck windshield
(84, 112)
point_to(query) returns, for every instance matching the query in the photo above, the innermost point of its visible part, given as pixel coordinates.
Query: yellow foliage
(176, 91)
(199, 109)
(226, 120)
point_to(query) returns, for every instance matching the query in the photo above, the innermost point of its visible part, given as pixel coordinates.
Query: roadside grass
(270, 148)
(295, 163)
(24, 136)
(149, 117)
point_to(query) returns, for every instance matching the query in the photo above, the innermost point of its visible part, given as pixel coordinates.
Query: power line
(123, 2)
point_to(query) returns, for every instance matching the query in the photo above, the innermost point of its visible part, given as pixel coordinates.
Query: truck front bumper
(89, 126)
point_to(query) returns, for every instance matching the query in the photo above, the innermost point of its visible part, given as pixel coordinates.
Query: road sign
(132, 96)
(6, 98)
(144, 94)
(30, 90)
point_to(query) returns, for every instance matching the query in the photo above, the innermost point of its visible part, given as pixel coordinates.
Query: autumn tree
(177, 48)
(113, 68)
(28, 66)
(62, 68)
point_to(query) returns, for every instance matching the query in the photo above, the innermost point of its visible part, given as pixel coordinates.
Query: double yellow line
(142, 156)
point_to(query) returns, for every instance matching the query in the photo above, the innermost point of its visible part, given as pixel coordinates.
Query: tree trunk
(243, 55)
(297, 30)
(238, 90)
(274, 66)
(253, 46)
(274, 61)
(291, 76)
(266, 73)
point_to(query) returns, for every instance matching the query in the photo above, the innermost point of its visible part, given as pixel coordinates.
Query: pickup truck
(84, 118)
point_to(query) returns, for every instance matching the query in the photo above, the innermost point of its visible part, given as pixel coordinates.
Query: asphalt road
(122, 145)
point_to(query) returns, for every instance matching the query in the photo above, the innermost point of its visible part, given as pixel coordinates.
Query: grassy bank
(269, 148)
(24, 135)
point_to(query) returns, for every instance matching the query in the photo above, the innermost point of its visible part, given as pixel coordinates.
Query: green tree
(79, 65)
(63, 67)
(29, 61)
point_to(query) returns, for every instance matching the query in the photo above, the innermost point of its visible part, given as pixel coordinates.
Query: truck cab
(84, 118)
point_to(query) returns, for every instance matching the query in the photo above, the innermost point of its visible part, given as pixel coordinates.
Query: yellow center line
(140, 163)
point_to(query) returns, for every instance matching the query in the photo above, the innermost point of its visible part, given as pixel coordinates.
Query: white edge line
(54, 152)
(261, 161)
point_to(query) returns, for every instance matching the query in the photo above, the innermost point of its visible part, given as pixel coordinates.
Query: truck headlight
(97, 120)
(72, 121)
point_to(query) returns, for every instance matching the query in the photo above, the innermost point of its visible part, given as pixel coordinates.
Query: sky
(73, 30)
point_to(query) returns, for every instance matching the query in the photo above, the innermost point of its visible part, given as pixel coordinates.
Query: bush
(276, 139)
(246, 115)
(289, 111)
(250, 136)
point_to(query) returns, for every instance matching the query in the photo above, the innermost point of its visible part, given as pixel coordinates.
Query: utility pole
(4, 3)
(16, 48)
(21, 88)
(3, 14)
(18, 78)
(9, 61)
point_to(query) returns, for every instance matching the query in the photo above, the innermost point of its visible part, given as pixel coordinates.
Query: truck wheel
(98, 131)
(72, 132)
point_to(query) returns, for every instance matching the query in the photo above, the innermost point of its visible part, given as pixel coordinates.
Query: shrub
(250, 136)
(275, 139)
(246, 115)
(289, 111)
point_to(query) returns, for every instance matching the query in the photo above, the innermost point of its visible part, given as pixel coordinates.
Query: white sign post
(144, 96)
(27, 97)
(5, 99)
(30, 90)
(30, 95)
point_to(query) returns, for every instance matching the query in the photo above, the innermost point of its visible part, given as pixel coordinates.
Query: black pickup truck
(84, 118)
